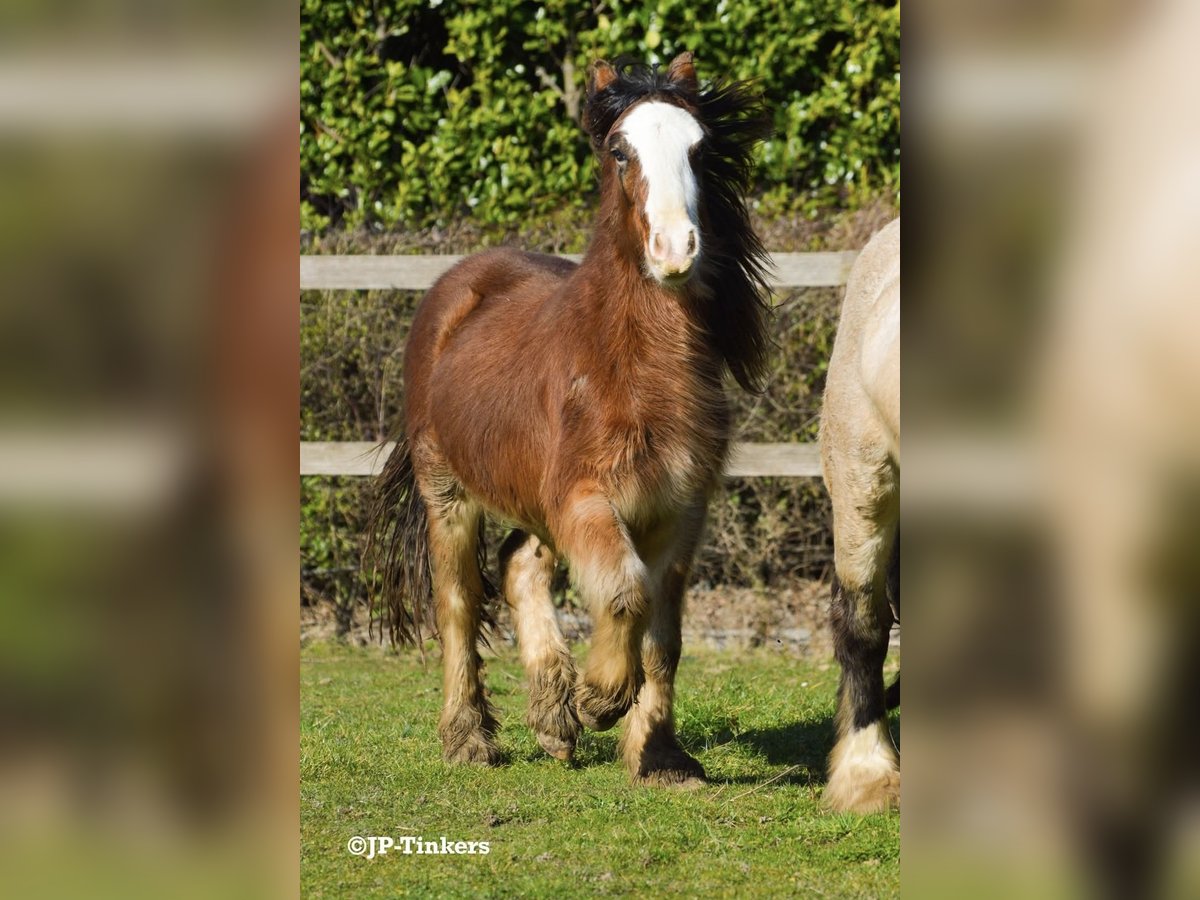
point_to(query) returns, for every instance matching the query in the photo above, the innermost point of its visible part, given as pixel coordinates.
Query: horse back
(472, 373)
(464, 296)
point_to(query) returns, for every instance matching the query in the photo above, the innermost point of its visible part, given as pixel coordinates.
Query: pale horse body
(860, 454)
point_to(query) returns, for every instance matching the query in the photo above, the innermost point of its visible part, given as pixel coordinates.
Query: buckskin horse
(860, 454)
(584, 406)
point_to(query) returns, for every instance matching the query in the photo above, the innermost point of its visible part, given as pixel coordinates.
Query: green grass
(760, 724)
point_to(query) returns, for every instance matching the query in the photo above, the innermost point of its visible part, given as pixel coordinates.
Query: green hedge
(419, 113)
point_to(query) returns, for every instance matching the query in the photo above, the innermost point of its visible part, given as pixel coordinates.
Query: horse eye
(619, 156)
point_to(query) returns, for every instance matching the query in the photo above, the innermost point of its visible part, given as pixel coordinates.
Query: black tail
(892, 698)
(396, 556)
(893, 692)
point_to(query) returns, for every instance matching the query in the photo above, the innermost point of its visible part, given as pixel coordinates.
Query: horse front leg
(606, 569)
(864, 767)
(649, 744)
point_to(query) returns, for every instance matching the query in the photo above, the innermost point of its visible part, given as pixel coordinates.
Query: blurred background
(148, 358)
(1050, 386)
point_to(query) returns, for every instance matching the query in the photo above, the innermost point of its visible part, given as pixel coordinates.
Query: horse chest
(652, 416)
(667, 455)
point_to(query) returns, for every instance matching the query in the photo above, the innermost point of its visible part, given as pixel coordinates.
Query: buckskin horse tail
(396, 556)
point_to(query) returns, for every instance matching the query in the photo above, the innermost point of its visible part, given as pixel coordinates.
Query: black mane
(734, 119)
(635, 81)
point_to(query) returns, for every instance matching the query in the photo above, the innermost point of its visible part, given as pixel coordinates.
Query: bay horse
(584, 406)
(860, 456)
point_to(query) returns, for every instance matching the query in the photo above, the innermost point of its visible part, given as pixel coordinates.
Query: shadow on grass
(802, 776)
(805, 744)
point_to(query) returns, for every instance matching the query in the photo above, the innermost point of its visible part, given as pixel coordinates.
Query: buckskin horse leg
(864, 768)
(528, 568)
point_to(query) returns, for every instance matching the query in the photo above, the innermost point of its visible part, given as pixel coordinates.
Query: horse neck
(631, 312)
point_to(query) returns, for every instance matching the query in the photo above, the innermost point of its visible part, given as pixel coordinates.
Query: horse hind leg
(527, 567)
(864, 767)
(468, 724)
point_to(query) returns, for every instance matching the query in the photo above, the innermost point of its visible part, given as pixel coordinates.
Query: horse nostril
(658, 248)
(691, 244)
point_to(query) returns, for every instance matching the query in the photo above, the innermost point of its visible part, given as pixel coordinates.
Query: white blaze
(661, 135)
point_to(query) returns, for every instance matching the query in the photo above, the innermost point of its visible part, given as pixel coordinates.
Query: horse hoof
(552, 716)
(863, 793)
(674, 779)
(556, 746)
(673, 768)
(864, 772)
(477, 750)
(598, 723)
(599, 711)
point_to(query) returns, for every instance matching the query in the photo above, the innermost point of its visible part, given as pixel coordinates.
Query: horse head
(650, 151)
(676, 157)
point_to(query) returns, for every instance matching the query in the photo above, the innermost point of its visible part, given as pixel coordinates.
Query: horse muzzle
(672, 253)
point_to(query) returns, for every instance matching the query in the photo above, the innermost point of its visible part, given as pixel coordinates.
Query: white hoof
(864, 772)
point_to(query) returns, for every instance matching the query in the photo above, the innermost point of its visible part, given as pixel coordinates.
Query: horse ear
(600, 76)
(682, 70)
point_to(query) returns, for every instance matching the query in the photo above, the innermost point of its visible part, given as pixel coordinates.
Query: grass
(760, 724)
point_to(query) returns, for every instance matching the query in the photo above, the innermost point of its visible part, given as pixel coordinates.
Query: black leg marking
(860, 635)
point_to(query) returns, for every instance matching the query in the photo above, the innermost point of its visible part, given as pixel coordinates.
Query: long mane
(734, 309)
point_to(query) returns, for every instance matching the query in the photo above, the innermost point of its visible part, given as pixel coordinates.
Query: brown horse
(585, 407)
(860, 452)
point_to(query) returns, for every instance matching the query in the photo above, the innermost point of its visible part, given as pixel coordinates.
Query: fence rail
(418, 273)
(746, 461)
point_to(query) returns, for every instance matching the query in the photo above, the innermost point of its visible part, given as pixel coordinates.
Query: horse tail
(892, 698)
(396, 556)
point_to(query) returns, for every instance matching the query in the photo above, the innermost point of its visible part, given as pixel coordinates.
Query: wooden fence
(418, 273)
(746, 461)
